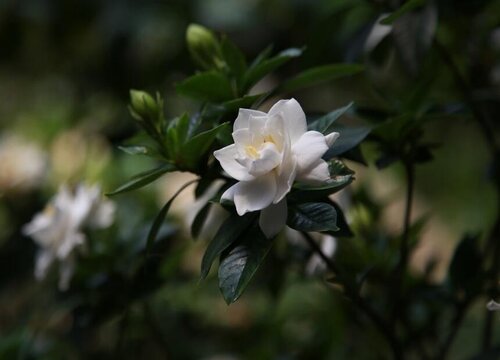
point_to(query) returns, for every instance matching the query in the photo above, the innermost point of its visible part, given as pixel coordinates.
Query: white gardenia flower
(269, 153)
(493, 305)
(58, 230)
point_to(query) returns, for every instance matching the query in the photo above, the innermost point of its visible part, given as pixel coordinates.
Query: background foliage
(429, 92)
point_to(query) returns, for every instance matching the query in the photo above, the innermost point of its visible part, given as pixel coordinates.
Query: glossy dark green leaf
(319, 75)
(202, 186)
(143, 179)
(158, 221)
(228, 233)
(234, 58)
(206, 86)
(240, 262)
(349, 138)
(344, 228)
(260, 69)
(324, 123)
(196, 147)
(315, 216)
(407, 7)
(199, 220)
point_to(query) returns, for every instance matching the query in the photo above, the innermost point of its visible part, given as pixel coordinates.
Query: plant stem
(464, 87)
(493, 243)
(154, 327)
(404, 246)
(352, 293)
(460, 312)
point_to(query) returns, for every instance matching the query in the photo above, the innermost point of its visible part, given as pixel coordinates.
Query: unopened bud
(203, 46)
(143, 104)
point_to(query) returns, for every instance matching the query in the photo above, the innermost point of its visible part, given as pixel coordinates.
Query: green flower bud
(143, 104)
(203, 47)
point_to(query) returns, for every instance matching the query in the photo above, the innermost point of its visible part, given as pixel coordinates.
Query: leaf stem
(352, 293)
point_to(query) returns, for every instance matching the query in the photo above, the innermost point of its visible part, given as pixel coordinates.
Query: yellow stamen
(252, 151)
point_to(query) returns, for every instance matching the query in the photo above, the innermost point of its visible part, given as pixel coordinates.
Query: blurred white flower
(23, 164)
(58, 230)
(269, 153)
(493, 306)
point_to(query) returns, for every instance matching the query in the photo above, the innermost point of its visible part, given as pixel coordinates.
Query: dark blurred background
(66, 68)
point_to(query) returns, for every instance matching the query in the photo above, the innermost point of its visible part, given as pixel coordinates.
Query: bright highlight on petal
(269, 153)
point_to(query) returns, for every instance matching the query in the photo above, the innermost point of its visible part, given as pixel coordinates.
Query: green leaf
(143, 179)
(178, 131)
(319, 75)
(206, 86)
(465, 267)
(344, 228)
(182, 126)
(202, 186)
(324, 123)
(261, 68)
(315, 216)
(240, 262)
(199, 220)
(349, 138)
(407, 7)
(227, 234)
(196, 147)
(158, 221)
(243, 102)
(234, 58)
(134, 149)
(263, 55)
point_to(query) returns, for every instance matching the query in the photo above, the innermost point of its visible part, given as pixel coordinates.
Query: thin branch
(460, 312)
(464, 87)
(358, 300)
(154, 327)
(404, 245)
(121, 332)
(493, 243)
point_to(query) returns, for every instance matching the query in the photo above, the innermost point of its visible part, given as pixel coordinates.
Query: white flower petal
(66, 270)
(103, 214)
(256, 125)
(227, 158)
(293, 116)
(72, 240)
(241, 121)
(273, 218)
(287, 172)
(331, 137)
(44, 259)
(269, 159)
(242, 138)
(317, 174)
(493, 306)
(254, 195)
(308, 149)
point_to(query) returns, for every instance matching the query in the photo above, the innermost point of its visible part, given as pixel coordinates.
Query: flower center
(251, 151)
